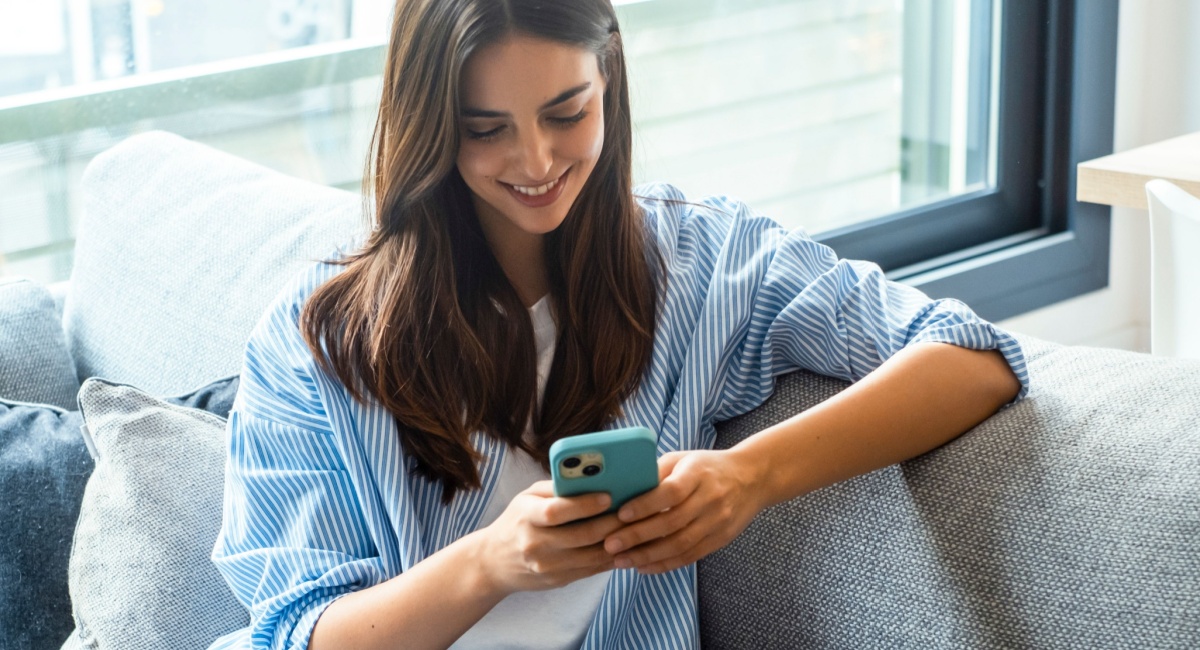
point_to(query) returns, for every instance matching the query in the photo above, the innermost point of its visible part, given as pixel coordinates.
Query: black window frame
(1025, 243)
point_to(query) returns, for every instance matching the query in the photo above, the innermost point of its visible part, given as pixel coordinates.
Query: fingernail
(623, 563)
(625, 515)
(614, 546)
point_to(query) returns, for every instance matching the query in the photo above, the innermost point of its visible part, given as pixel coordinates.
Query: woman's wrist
(758, 472)
(482, 570)
(788, 460)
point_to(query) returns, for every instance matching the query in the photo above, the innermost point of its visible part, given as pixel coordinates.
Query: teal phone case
(628, 464)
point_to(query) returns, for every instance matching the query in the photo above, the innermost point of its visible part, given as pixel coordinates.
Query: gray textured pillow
(140, 574)
(44, 467)
(35, 365)
(1070, 520)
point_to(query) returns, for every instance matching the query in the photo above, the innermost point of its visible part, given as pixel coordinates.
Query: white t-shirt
(532, 620)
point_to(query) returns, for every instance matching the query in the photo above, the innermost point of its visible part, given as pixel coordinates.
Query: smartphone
(622, 462)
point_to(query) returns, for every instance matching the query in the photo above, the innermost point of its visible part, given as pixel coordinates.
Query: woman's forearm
(921, 398)
(539, 542)
(428, 606)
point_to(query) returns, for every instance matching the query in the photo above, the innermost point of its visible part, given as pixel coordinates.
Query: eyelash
(561, 122)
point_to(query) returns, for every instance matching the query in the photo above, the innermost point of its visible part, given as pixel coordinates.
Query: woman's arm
(428, 606)
(920, 398)
(536, 543)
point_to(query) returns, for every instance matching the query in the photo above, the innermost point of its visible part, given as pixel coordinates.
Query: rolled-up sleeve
(293, 538)
(782, 301)
(843, 318)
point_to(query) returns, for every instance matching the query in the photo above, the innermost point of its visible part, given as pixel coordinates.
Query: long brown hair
(424, 320)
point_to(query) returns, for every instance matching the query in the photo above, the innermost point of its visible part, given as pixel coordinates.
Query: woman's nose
(536, 156)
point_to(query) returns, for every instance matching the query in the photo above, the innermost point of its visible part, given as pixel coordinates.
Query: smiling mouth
(538, 196)
(538, 190)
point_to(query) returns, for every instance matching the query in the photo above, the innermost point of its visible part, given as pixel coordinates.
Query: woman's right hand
(542, 541)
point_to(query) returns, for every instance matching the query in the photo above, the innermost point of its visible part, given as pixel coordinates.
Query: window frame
(1025, 243)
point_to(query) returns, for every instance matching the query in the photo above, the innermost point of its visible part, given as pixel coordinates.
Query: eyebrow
(562, 97)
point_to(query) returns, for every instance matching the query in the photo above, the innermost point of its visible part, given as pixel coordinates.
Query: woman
(386, 484)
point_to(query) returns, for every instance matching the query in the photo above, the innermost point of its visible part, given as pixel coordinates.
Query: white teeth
(536, 191)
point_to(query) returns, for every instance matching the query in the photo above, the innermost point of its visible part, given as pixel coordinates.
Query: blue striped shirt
(317, 502)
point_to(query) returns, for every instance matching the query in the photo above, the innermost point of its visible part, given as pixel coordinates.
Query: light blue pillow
(35, 365)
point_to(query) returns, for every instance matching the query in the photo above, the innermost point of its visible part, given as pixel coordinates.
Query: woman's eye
(484, 135)
(568, 121)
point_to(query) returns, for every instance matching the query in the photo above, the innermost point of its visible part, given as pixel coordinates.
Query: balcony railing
(50, 113)
(799, 107)
(47, 137)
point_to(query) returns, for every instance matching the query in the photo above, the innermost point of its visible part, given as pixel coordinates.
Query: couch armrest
(1066, 520)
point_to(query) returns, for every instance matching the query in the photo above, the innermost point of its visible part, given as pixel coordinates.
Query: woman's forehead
(522, 72)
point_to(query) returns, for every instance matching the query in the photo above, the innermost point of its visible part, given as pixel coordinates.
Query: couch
(1068, 520)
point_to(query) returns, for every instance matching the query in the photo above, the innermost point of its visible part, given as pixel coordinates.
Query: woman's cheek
(595, 137)
(469, 159)
(477, 163)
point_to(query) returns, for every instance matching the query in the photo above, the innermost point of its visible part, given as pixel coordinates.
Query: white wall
(1158, 97)
(1192, 118)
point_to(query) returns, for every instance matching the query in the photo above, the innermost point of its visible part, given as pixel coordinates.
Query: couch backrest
(180, 250)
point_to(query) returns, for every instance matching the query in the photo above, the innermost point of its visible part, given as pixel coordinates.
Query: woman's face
(532, 127)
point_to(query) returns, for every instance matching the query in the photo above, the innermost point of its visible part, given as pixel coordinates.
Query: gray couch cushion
(140, 574)
(1069, 520)
(35, 365)
(158, 306)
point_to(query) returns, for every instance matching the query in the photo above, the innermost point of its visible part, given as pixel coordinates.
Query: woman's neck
(521, 255)
(526, 271)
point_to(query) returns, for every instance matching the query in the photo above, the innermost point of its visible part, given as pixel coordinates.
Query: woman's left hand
(704, 499)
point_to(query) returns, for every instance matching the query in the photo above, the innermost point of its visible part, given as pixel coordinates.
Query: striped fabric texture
(317, 500)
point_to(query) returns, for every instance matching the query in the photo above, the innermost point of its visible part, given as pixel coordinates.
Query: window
(285, 83)
(936, 137)
(820, 114)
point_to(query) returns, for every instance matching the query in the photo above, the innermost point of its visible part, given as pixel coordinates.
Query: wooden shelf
(1120, 179)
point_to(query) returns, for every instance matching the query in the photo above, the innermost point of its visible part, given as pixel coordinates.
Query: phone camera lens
(591, 470)
(571, 463)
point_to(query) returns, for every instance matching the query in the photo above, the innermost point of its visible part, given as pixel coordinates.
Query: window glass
(819, 113)
(52, 43)
(285, 83)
